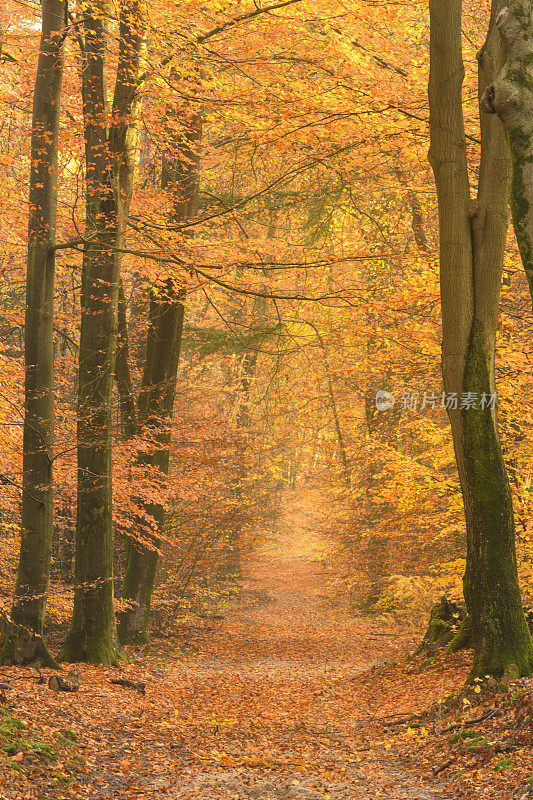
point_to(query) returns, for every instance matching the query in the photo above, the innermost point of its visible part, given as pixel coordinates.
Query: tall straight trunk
(156, 404)
(126, 393)
(333, 402)
(181, 176)
(124, 139)
(23, 643)
(472, 242)
(93, 635)
(230, 561)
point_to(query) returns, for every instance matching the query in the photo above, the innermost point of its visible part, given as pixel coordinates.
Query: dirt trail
(291, 651)
(288, 618)
(266, 703)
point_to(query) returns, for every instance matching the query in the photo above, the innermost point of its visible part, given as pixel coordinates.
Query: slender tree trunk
(23, 643)
(230, 560)
(333, 402)
(156, 404)
(124, 139)
(472, 242)
(93, 635)
(126, 393)
(417, 218)
(181, 176)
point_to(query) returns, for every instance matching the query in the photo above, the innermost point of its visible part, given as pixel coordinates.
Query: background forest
(257, 268)
(305, 258)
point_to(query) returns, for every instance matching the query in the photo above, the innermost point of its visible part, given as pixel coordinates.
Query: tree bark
(181, 176)
(126, 393)
(23, 643)
(511, 97)
(93, 635)
(123, 139)
(472, 242)
(156, 404)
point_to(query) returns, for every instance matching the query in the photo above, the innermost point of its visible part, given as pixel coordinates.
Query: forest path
(267, 705)
(272, 701)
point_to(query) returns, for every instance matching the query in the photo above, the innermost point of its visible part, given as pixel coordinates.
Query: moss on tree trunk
(463, 637)
(445, 618)
(500, 631)
(472, 242)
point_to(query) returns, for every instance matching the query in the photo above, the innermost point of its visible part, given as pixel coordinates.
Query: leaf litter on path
(273, 701)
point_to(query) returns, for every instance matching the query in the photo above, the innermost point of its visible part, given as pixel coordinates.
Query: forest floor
(280, 698)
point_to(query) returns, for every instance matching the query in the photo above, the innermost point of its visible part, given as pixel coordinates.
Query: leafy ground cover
(284, 697)
(477, 741)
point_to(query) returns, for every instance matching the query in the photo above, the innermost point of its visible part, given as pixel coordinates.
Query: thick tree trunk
(23, 642)
(181, 176)
(472, 242)
(93, 635)
(511, 97)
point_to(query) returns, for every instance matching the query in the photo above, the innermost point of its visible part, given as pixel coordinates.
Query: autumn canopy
(262, 260)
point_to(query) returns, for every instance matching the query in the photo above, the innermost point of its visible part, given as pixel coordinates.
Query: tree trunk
(472, 242)
(23, 643)
(156, 404)
(511, 97)
(123, 141)
(93, 635)
(126, 394)
(230, 559)
(445, 620)
(181, 176)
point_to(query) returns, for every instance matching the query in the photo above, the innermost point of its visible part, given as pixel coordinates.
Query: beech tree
(23, 643)
(108, 160)
(156, 404)
(180, 177)
(511, 97)
(472, 241)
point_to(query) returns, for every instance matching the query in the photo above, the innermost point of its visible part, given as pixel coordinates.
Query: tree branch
(244, 18)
